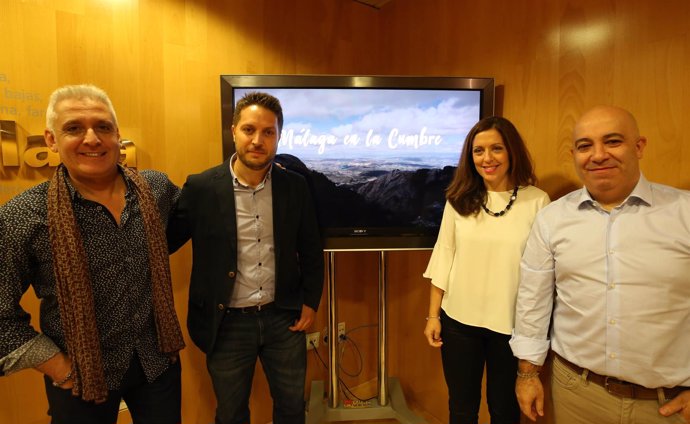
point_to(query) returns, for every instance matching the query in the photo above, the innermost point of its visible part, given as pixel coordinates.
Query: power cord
(346, 338)
(346, 390)
(347, 341)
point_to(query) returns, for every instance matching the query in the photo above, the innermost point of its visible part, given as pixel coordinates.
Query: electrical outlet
(313, 338)
(341, 333)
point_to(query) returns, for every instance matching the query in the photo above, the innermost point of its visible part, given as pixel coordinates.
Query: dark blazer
(206, 213)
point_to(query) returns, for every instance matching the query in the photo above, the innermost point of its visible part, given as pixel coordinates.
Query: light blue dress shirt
(621, 281)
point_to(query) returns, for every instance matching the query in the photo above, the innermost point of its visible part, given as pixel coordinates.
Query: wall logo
(37, 155)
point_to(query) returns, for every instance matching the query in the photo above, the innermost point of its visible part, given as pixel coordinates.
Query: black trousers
(157, 402)
(465, 351)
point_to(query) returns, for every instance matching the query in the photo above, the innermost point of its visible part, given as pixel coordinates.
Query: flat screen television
(377, 151)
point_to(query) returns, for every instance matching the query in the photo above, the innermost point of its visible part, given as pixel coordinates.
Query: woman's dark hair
(467, 191)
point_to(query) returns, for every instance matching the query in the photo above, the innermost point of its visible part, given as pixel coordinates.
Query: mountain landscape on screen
(371, 197)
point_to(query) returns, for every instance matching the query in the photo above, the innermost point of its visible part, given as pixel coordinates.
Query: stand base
(319, 412)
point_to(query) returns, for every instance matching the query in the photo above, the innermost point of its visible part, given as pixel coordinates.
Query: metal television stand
(390, 402)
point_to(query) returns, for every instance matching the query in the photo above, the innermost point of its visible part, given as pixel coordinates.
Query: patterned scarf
(73, 284)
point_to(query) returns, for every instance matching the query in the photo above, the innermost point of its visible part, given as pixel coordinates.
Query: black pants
(244, 337)
(464, 352)
(157, 402)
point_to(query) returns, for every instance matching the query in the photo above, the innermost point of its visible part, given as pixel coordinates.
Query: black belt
(252, 309)
(622, 388)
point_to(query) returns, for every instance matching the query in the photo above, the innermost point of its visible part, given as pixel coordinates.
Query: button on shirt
(622, 286)
(118, 262)
(255, 282)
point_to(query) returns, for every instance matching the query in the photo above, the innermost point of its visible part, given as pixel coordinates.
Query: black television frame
(356, 240)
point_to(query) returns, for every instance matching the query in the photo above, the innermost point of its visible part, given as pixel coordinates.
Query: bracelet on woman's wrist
(428, 318)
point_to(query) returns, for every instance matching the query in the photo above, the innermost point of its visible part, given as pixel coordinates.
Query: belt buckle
(247, 309)
(252, 309)
(629, 388)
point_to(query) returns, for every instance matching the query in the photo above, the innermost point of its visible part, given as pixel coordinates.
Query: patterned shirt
(118, 264)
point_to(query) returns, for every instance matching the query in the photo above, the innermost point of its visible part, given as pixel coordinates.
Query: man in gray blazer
(257, 272)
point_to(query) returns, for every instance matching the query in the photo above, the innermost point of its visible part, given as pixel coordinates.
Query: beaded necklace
(507, 208)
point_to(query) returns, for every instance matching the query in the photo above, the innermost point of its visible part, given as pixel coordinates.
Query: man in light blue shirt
(606, 276)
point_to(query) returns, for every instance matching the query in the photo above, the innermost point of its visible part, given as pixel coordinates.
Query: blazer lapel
(278, 181)
(225, 192)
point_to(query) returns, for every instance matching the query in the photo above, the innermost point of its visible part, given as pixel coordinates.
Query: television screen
(378, 152)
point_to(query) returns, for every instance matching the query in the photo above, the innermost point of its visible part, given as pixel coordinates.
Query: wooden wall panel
(160, 60)
(552, 61)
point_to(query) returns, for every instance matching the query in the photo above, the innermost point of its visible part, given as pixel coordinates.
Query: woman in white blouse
(474, 269)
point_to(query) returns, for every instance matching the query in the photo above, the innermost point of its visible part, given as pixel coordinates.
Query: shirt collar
(236, 182)
(641, 193)
(74, 193)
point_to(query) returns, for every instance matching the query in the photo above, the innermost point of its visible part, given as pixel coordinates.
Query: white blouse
(476, 259)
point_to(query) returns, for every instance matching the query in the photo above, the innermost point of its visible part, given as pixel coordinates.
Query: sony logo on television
(36, 154)
(359, 231)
